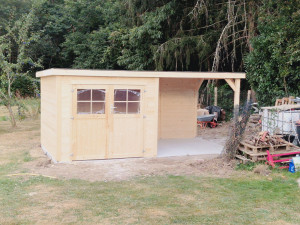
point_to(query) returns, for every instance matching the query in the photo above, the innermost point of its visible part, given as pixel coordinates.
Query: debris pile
(255, 143)
(253, 126)
(265, 139)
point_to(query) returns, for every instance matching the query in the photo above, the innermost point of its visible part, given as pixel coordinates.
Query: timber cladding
(68, 136)
(93, 114)
(178, 107)
(49, 115)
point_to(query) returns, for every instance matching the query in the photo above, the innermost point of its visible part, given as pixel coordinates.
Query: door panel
(90, 121)
(91, 135)
(126, 137)
(108, 123)
(126, 122)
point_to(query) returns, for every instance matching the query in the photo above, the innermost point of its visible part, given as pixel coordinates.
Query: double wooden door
(107, 121)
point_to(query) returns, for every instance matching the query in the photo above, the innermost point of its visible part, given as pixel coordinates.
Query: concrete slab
(194, 146)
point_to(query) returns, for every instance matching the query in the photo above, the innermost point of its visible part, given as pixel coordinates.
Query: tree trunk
(12, 116)
(251, 34)
(251, 24)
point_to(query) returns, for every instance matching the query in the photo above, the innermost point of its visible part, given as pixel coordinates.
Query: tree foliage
(15, 61)
(183, 35)
(273, 67)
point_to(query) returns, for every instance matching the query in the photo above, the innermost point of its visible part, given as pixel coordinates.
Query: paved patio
(194, 146)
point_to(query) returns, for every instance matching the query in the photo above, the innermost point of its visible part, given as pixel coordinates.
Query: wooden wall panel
(178, 107)
(49, 115)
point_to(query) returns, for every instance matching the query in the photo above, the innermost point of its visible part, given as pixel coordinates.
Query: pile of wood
(253, 126)
(255, 148)
(265, 139)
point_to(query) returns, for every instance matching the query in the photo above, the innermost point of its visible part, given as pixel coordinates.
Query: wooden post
(237, 95)
(249, 96)
(216, 96)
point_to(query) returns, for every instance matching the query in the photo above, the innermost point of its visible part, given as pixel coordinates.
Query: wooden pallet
(243, 154)
(242, 159)
(257, 149)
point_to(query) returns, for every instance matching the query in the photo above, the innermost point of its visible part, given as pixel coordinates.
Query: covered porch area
(178, 133)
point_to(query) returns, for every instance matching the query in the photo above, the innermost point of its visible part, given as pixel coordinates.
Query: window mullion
(126, 101)
(91, 102)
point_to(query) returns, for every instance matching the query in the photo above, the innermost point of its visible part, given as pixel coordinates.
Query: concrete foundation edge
(48, 154)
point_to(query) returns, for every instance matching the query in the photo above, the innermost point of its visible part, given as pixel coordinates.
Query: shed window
(91, 101)
(127, 101)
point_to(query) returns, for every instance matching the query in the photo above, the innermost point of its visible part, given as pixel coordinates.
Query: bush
(26, 86)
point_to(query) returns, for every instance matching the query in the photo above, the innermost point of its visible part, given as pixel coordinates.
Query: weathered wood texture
(178, 108)
(49, 122)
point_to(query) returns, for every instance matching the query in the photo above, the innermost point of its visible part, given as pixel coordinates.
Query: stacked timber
(255, 148)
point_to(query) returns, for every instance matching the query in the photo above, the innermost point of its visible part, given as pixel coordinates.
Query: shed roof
(127, 73)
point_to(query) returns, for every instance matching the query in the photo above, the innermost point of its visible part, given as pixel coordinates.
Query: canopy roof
(127, 73)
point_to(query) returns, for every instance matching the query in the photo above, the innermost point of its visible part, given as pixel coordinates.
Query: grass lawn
(245, 199)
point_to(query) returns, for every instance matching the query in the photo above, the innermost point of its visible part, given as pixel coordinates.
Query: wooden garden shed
(102, 114)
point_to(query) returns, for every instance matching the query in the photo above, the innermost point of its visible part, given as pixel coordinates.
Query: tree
(14, 58)
(12, 9)
(273, 67)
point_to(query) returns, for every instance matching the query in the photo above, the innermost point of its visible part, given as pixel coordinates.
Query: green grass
(156, 200)
(249, 166)
(27, 157)
(3, 118)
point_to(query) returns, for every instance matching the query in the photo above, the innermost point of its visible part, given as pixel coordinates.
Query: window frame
(91, 101)
(127, 101)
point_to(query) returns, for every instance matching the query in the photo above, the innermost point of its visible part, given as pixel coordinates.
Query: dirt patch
(218, 134)
(123, 169)
(157, 212)
(23, 144)
(216, 166)
(262, 170)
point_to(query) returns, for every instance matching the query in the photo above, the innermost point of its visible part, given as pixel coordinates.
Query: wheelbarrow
(205, 120)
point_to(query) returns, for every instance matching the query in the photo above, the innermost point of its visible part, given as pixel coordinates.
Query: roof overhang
(127, 73)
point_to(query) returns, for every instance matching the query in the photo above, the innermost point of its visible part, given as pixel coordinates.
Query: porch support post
(235, 84)
(237, 92)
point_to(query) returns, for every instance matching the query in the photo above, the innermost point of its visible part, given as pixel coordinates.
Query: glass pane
(83, 107)
(98, 95)
(98, 108)
(133, 107)
(84, 95)
(134, 95)
(120, 94)
(120, 108)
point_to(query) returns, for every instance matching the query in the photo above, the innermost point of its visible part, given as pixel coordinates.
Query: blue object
(292, 167)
